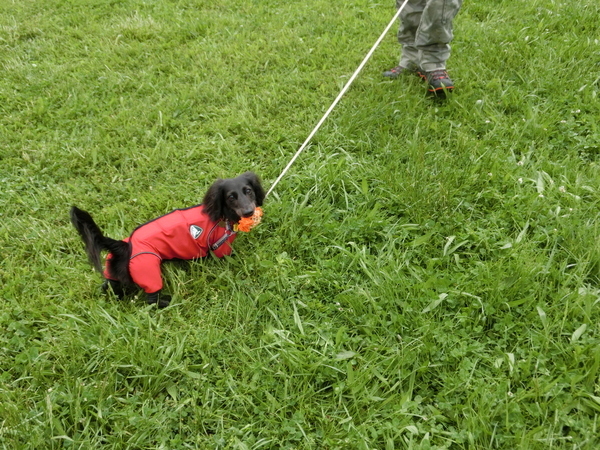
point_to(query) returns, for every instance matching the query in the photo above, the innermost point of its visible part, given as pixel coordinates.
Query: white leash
(340, 95)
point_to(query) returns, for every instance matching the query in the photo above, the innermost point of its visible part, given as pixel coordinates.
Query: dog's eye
(247, 191)
(231, 197)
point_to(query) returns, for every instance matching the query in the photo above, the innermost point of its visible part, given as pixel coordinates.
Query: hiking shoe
(395, 72)
(439, 82)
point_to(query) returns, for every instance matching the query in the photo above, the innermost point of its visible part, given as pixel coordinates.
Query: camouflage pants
(426, 31)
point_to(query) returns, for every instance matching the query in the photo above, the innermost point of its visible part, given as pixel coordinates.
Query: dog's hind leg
(144, 268)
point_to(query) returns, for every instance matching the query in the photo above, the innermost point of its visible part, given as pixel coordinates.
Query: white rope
(340, 95)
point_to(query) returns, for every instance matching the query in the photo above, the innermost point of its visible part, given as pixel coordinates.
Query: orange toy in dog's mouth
(247, 223)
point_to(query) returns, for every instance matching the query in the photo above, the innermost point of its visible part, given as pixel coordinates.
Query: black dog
(182, 234)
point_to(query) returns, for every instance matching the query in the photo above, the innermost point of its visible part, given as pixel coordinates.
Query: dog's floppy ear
(213, 201)
(254, 181)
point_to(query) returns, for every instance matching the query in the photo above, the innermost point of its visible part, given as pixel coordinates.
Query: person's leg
(410, 19)
(435, 32)
(433, 42)
(409, 24)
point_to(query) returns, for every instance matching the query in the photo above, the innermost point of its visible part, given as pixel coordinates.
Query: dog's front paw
(162, 300)
(113, 286)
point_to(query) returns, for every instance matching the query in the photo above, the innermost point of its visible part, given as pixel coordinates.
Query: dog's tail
(94, 240)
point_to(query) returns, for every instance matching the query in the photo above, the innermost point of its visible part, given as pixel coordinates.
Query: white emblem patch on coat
(195, 231)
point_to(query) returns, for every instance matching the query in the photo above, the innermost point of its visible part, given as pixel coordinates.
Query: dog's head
(234, 198)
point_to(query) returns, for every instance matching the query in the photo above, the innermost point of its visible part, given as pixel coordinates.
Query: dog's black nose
(248, 213)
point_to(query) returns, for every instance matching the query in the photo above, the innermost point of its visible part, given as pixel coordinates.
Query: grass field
(427, 275)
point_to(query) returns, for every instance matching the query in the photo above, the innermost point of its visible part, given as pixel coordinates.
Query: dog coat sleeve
(144, 269)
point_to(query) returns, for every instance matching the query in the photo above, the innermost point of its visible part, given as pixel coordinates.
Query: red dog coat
(182, 234)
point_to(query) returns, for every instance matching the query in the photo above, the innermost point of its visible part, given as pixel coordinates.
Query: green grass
(427, 275)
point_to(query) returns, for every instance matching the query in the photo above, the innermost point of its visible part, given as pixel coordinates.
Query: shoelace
(438, 75)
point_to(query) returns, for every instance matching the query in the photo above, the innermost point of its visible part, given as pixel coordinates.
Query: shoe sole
(440, 93)
(445, 88)
(442, 90)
